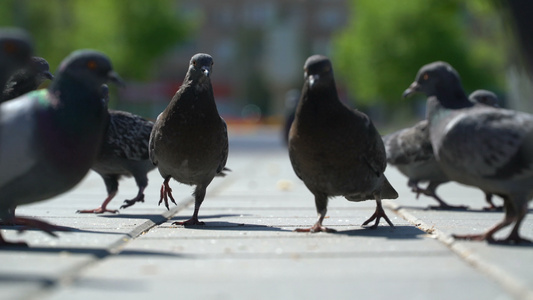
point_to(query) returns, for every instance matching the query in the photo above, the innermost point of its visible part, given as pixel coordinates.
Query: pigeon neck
(75, 102)
(452, 98)
(19, 84)
(325, 96)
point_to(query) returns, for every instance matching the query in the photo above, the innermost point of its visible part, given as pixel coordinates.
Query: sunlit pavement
(248, 249)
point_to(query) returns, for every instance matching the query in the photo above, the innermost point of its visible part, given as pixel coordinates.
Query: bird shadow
(215, 216)
(231, 226)
(22, 229)
(96, 252)
(159, 216)
(430, 208)
(499, 243)
(396, 232)
(50, 281)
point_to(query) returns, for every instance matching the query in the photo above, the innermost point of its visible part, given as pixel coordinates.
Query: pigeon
(410, 150)
(484, 97)
(16, 48)
(189, 141)
(50, 138)
(124, 152)
(335, 150)
(478, 145)
(27, 79)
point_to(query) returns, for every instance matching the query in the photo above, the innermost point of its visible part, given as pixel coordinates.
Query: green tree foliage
(132, 32)
(380, 51)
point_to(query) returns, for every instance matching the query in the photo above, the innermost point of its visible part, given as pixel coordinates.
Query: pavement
(248, 249)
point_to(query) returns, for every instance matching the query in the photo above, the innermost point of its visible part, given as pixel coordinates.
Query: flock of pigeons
(51, 138)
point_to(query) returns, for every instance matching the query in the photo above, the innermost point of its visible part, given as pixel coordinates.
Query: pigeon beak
(48, 75)
(115, 78)
(413, 88)
(206, 71)
(313, 79)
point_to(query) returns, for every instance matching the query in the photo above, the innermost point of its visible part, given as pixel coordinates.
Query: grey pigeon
(189, 141)
(336, 150)
(16, 48)
(27, 79)
(49, 138)
(478, 145)
(124, 152)
(410, 150)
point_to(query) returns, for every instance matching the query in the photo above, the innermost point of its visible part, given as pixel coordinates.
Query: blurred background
(259, 47)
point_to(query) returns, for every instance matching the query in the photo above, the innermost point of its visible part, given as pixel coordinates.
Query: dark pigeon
(27, 79)
(335, 150)
(411, 152)
(50, 138)
(478, 145)
(189, 141)
(124, 152)
(16, 49)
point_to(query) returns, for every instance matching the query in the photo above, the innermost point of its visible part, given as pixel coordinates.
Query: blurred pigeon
(478, 145)
(484, 97)
(411, 152)
(335, 150)
(50, 138)
(189, 141)
(124, 152)
(487, 98)
(16, 49)
(27, 79)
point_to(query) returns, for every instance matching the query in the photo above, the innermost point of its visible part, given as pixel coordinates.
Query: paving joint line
(516, 287)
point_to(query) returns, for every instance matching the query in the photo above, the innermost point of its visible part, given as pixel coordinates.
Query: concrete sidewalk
(248, 250)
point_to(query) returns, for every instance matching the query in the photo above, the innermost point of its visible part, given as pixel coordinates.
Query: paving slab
(248, 247)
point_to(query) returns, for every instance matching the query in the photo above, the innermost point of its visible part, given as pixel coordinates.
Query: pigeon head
(90, 67)
(433, 79)
(484, 97)
(200, 68)
(15, 51)
(41, 67)
(16, 47)
(318, 70)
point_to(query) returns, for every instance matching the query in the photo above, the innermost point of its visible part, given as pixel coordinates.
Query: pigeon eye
(10, 47)
(426, 76)
(194, 63)
(92, 65)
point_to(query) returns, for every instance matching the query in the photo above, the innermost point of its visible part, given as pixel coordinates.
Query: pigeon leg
(378, 214)
(514, 237)
(166, 192)
(103, 208)
(138, 198)
(199, 195)
(510, 216)
(491, 207)
(430, 191)
(413, 184)
(9, 220)
(29, 223)
(111, 184)
(321, 202)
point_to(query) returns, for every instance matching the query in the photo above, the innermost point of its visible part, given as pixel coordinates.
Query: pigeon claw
(99, 210)
(28, 223)
(378, 214)
(166, 193)
(316, 228)
(128, 203)
(190, 222)
(474, 237)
